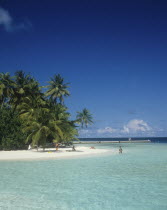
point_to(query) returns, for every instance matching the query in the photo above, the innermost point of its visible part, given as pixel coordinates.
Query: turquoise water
(136, 179)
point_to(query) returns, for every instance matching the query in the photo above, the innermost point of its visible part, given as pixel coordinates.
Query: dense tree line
(29, 115)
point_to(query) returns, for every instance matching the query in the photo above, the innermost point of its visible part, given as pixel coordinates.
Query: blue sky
(112, 52)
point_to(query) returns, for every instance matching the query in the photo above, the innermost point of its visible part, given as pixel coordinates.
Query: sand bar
(51, 153)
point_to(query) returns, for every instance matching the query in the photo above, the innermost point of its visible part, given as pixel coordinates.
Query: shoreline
(51, 153)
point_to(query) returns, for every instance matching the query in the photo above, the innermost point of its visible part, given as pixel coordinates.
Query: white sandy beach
(52, 153)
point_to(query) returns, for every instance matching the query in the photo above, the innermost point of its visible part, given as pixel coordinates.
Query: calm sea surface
(153, 139)
(136, 179)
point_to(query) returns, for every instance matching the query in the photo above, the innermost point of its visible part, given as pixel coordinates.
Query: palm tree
(46, 123)
(59, 111)
(25, 86)
(40, 127)
(29, 106)
(70, 132)
(57, 90)
(84, 118)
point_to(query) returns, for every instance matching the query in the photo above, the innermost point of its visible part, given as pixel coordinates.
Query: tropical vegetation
(36, 115)
(84, 118)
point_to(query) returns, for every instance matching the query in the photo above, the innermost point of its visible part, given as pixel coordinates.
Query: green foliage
(11, 135)
(84, 118)
(30, 116)
(57, 90)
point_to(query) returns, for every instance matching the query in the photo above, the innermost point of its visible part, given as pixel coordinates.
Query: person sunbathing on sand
(73, 148)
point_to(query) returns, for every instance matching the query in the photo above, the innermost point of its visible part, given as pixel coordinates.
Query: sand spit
(52, 153)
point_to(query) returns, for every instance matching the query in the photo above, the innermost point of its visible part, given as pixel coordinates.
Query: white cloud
(5, 19)
(125, 129)
(8, 23)
(136, 126)
(106, 130)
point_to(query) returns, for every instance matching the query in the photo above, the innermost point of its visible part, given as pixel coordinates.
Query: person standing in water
(120, 150)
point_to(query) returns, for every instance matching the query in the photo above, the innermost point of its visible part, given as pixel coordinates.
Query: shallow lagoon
(136, 179)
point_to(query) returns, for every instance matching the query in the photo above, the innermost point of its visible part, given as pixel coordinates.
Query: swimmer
(120, 149)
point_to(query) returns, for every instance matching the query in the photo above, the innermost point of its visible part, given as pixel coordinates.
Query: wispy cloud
(132, 112)
(5, 19)
(85, 133)
(106, 130)
(9, 24)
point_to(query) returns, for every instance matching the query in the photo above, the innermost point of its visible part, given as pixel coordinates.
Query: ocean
(135, 179)
(152, 139)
